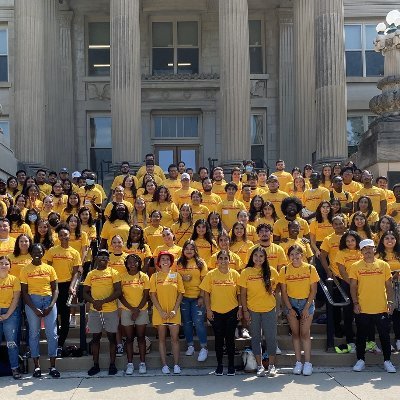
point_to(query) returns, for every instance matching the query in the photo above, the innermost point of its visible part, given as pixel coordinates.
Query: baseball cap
(185, 176)
(367, 243)
(76, 174)
(64, 170)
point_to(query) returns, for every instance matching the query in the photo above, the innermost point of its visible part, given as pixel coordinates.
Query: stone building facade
(192, 80)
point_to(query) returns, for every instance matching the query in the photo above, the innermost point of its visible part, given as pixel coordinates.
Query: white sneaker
(129, 369)
(72, 321)
(278, 351)
(389, 367)
(142, 368)
(353, 348)
(202, 355)
(298, 367)
(165, 370)
(359, 366)
(261, 371)
(307, 369)
(245, 334)
(272, 370)
(190, 351)
(398, 345)
(177, 369)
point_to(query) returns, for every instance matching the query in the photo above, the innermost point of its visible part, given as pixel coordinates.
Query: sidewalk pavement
(337, 383)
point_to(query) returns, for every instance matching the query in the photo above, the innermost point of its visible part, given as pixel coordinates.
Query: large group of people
(194, 249)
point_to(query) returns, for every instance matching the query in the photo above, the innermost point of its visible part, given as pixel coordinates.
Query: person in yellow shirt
(385, 223)
(135, 286)
(162, 201)
(349, 184)
(240, 244)
(136, 245)
(245, 195)
(223, 304)
(40, 291)
(193, 269)
(294, 238)
(90, 196)
(10, 291)
(43, 234)
(283, 176)
(102, 288)
(153, 232)
(257, 286)
(256, 190)
(229, 208)
(182, 195)
(119, 197)
(337, 192)
(203, 237)
(326, 176)
(210, 199)
(394, 208)
(20, 256)
(313, 197)
(372, 294)
(215, 223)
(125, 171)
(235, 261)
(298, 287)
(251, 231)
(168, 245)
(73, 206)
(320, 227)
(166, 293)
(297, 188)
(59, 198)
(117, 224)
(183, 228)
(172, 182)
(130, 189)
(7, 242)
(267, 216)
(219, 183)
(364, 204)
(255, 209)
(382, 183)
(149, 158)
(274, 195)
(17, 225)
(199, 210)
(139, 214)
(359, 223)
(117, 257)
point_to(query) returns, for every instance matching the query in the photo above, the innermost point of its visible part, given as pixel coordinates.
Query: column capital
(64, 18)
(285, 15)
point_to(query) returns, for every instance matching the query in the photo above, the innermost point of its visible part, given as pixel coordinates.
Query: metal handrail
(328, 294)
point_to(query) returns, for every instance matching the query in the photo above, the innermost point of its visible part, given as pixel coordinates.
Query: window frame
(263, 113)
(262, 45)
(363, 49)
(88, 20)
(175, 46)
(4, 27)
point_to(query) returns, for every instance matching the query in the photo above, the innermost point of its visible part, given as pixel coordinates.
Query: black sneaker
(54, 372)
(231, 371)
(219, 370)
(112, 369)
(94, 370)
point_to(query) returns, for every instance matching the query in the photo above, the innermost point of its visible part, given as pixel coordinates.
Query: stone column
(330, 82)
(125, 81)
(235, 80)
(286, 87)
(304, 69)
(29, 81)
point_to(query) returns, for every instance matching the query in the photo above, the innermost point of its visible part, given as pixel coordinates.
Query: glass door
(166, 155)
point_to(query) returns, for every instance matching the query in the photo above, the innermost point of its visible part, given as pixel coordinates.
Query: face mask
(249, 168)
(14, 217)
(32, 218)
(90, 182)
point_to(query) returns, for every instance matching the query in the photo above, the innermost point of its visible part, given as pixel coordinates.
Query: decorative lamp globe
(392, 17)
(381, 28)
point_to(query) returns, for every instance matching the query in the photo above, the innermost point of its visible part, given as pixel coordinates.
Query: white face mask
(249, 168)
(89, 182)
(32, 218)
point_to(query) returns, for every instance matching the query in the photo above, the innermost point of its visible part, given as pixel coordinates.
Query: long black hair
(342, 243)
(141, 240)
(114, 216)
(318, 214)
(133, 189)
(208, 236)
(182, 260)
(78, 232)
(367, 228)
(266, 270)
(47, 241)
(381, 247)
(17, 250)
(253, 212)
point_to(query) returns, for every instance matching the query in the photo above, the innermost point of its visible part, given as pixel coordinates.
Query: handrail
(328, 292)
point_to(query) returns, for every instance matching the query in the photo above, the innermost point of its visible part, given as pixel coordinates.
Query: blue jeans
(193, 314)
(299, 305)
(50, 325)
(10, 329)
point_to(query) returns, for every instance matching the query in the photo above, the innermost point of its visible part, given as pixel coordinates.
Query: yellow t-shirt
(307, 252)
(182, 196)
(90, 231)
(394, 207)
(172, 184)
(281, 228)
(375, 194)
(63, 261)
(331, 245)
(258, 299)
(199, 212)
(174, 250)
(298, 280)
(153, 236)
(205, 249)
(79, 243)
(157, 171)
(390, 198)
(321, 229)
(353, 187)
(342, 197)
(16, 230)
(223, 289)
(118, 227)
(347, 258)
(182, 232)
(101, 283)
(64, 215)
(133, 287)
(276, 199)
(192, 287)
(275, 254)
(109, 207)
(235, 262)
(371, 290)
(169, 212)
(87, 196)
(117, 262)
(211, 201)
(228, 210)
(119, 179)
(17, 263)
(59, 203)
(219, 189)
(241, 249)
(38, 278)
(283, 177)
(251, 233)
(7, 246)
(8, 286)
(393, 262)
(142, 253)
(166, 286)
(312, 198)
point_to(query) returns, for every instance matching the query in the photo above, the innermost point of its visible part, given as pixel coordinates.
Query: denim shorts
(299, 305)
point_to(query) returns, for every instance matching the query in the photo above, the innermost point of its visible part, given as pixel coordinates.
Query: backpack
(249, 361)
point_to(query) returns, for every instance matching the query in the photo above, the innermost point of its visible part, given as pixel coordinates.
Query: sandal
(54, 372)
(16, 375)
(37, 373)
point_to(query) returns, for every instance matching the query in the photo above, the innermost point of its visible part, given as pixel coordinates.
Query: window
(356, 126)
(258, 139)
(176, 126)
(99, 49)
(175, 47)
(3, 55)
(166, 155)
(361, 58)
(5, 132)
(100, 142)
(255, 43)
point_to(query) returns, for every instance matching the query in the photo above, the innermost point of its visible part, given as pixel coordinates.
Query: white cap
(76, 174)
(185, 176)
(367, 243)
